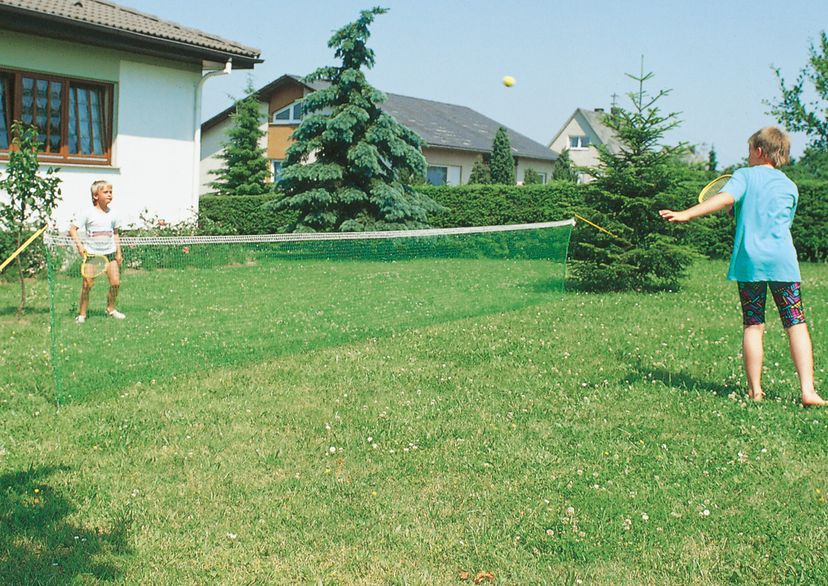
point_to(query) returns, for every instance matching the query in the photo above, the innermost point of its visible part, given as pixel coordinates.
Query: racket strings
(93, 266)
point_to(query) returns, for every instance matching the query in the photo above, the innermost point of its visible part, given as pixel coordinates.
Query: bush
(245, 214)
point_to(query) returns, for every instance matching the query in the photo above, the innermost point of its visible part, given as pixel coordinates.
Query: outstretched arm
(714, 204)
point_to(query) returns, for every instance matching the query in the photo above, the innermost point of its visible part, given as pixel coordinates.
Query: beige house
(455, 136)
(581, 134)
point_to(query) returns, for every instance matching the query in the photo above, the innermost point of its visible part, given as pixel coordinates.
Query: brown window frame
(67, 85)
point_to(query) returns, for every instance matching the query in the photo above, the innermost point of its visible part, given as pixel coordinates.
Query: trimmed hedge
(485, 205)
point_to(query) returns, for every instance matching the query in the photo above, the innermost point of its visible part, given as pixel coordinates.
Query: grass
(602, 439)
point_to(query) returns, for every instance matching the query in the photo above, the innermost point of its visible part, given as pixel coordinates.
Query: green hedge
(485, 205)
(468, 205)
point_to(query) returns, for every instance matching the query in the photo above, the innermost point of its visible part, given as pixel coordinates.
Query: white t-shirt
(99, 229)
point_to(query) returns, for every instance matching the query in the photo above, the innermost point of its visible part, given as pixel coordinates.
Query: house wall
(154, 124)
(578, 126)
(212, 140)
(539, 165)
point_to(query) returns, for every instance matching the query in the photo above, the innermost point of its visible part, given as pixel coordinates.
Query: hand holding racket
(705, 205)
(713, 187)
(93, 265)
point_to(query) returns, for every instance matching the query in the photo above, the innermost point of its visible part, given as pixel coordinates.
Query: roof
(121, 27)
(595, 120)
(458, 127)
(439, 124)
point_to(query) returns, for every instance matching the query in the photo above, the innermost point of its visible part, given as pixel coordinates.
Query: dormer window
(579, 142)
(289, 114)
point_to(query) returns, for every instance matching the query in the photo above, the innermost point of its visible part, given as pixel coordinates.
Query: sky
(715, 57)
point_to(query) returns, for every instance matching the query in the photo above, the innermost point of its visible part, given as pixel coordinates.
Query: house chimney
(599, 109)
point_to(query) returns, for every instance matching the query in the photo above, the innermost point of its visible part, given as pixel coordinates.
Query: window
(579, 142)
(73, 117)
(289, 114)
(542, 176)
(276, 171)
(443, 175)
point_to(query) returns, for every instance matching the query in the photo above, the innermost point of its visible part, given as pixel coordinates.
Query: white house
(581, 135)
(116, 95)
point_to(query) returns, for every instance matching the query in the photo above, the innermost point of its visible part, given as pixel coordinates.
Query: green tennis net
(198, 303)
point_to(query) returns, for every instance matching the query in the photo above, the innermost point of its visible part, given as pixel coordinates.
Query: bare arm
(118, 256)
(73, 233)
(718, 202)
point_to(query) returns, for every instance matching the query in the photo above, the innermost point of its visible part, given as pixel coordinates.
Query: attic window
(288, 115)
(579, 142)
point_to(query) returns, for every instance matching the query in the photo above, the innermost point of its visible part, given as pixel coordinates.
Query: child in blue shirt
(764, 202)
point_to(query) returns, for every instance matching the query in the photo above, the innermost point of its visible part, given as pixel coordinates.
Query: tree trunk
(22, 305)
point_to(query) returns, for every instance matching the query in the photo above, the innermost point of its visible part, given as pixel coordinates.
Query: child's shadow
(642, 372)
(39, 545)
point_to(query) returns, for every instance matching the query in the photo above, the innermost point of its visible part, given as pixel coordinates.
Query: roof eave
(57, 27)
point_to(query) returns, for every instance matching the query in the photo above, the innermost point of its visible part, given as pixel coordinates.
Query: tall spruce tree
(245, 170)
(344, 170)
(631, 186)
(712, 160)
(502, 163)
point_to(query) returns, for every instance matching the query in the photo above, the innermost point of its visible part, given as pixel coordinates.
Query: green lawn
(541, 437)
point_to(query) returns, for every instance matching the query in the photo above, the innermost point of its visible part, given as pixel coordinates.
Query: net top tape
(63, 240)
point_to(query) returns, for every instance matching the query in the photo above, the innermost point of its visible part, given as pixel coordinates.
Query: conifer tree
(502, 162)
(246, 170)
(344, 170)
(480, 173)
(631, 186)
(564, 170)
(712, 160)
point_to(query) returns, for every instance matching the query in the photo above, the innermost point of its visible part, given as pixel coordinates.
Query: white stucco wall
(211, 145)
(153, 153)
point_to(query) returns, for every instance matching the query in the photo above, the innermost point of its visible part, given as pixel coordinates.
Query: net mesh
(204, 302)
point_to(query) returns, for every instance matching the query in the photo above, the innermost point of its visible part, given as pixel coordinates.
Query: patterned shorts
(788, 300)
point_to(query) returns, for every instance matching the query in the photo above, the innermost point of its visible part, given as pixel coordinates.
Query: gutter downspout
(228, 67)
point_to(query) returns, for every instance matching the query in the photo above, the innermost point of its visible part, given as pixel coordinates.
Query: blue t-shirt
(765, 206)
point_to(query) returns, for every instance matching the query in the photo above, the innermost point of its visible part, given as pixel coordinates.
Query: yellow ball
(508, 81)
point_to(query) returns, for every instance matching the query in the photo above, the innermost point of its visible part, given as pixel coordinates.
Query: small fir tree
(502, 162)
(712, 160)
(246, 170)
(345, 169)
(31, 197)
(480, 173)
(564, 170)
(631, 186)
(531, 177)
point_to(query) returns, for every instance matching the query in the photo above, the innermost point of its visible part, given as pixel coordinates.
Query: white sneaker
(116, 314)
(81, 319)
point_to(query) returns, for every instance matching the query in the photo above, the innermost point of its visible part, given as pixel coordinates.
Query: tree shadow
(12, 310)
(681, 380)
(39, 545)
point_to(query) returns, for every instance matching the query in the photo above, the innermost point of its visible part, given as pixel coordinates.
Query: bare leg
(114, 274)
(84, 298)
(802, 354)
(753, 346)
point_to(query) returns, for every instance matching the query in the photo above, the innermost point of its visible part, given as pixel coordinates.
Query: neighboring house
(581, 134)
(455, 136)
(116, 95)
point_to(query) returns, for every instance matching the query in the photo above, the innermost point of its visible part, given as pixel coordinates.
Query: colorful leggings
(788, 300)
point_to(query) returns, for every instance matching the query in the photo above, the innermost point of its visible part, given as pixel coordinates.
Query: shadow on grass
(39, 545)
(681, 380)
(12, 310)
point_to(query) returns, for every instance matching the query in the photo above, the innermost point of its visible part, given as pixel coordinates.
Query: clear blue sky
(715, 56)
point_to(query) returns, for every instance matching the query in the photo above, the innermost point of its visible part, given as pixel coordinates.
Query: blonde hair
(96, 187)
(775, 145)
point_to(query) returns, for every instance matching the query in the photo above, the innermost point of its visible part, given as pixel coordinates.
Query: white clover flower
(332, 450)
